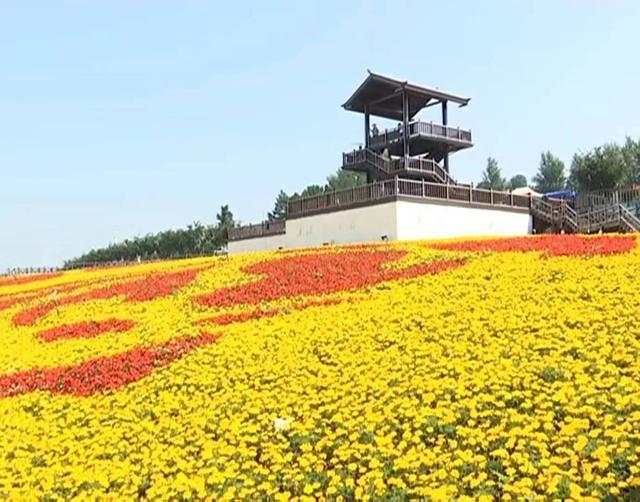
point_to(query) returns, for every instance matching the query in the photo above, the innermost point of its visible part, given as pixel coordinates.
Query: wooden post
(447, 185)
(511, 198)
(405, 124)
(491, 192)
(366, 127)
(471, 193)
(397, 186)
(424, 193)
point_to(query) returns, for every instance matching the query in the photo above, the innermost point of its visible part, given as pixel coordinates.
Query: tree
(492, 176)
(225, 222)
(342, 180)
(550, 176)
(196, 239)
(279, 212)
(631, 155)
(312, 190)
(602, 168)
(517, 181)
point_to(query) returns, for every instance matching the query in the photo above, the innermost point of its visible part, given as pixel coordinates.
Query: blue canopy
(561, 194)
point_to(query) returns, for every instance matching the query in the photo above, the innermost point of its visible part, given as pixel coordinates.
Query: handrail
(391, 188)
(422, 128)
(395, 165)
(256, 230)
(366, 155)
(607, 197)
(629, 218)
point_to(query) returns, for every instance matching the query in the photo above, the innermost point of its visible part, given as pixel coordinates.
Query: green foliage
(631, 156)
(603, 167)
(551, 174)
(225, 222)
(196, 239)
(550, 374)
(312, 190)
(342, 180)
(279, 212)
(492, 176)
(517, 181)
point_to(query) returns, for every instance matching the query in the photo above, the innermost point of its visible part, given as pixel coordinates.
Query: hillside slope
(464, 369)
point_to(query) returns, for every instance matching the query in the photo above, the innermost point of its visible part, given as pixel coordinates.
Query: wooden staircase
(560, 216)
(386, 167)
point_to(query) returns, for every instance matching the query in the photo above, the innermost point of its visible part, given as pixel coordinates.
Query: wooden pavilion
(412, 149)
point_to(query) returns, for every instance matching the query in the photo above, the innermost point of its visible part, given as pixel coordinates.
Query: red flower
(314, 274)
(25, 279)
(150, 287)
(550, 245)
(102, 373)
(87, 329)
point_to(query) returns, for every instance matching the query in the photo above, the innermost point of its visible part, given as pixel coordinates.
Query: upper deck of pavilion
(423, 136)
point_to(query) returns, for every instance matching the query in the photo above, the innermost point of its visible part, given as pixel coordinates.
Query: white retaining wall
(361, 224)
(420, 220)
(398, 220)
(257, 244)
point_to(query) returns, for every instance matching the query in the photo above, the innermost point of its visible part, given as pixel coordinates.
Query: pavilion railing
(256, 230)
(388, 189)
(625, 196)
(387, 165)
(421, 128)
(394, 165)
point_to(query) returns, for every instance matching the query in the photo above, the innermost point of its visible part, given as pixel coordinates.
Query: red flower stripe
(87, 329)
(225, 319)
(150, 287)
(102, 373)
(370, 246)
(319, 274)
(7, 303)
(25, 279)
(11, 299)
(551, 245)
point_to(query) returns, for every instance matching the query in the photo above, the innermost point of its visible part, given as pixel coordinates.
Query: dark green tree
(604, 167)
(196, 239)
(517, 181)
(279, 212)
(225, 222)
(551, 175)
(492, 176)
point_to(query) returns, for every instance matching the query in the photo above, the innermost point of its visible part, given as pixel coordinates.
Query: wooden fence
(389, 189)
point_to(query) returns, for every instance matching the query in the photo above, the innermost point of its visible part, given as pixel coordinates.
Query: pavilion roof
(383, 97)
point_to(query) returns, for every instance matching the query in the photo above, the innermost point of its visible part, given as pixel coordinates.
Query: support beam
(366, 127)
(405, 124)
(445, 120)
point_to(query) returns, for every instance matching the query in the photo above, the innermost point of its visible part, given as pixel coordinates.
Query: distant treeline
(605, 167)
(195, 240)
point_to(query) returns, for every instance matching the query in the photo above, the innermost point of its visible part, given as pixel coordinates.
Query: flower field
(446, 370)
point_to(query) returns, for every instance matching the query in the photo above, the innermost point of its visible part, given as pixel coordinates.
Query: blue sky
(121, 118)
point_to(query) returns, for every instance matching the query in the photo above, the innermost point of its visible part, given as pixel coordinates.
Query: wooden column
(445, 120)
(405, 125)
(366, 127)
